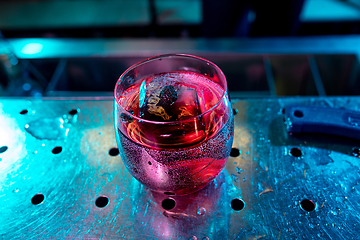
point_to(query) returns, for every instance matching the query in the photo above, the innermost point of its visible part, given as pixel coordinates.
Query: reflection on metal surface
(275, 185)
(32, 48)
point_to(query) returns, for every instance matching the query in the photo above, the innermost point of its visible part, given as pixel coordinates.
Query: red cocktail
(173, 122)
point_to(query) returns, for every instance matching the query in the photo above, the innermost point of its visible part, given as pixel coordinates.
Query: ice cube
(168, 96)
(126, 118)
(170, 103)
(186, 105)
(151, 111)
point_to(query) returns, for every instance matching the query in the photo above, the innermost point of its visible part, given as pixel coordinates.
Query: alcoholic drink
(174, 130)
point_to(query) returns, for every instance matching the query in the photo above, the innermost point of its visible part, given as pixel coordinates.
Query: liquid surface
(193, 91)
(169, 97)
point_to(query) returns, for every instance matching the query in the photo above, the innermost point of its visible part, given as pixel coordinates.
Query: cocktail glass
(173, 122)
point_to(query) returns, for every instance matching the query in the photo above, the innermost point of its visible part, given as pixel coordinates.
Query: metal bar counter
(47, 48)
(62, 178)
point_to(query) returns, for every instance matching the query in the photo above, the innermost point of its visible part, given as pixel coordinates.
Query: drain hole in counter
(37, 199)
(235, 152)
(168, 204)
(3, 149)
(114, 151)
(298, 114)
(56, 150)
(296, 152)
(73, 112)
(237, 204)
(307, 205)
(25, 111)
(102, 201)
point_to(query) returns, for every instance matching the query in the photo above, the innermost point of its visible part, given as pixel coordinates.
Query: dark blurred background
(62, 48)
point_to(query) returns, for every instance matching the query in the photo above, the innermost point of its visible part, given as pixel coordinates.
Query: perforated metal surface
(50, 188)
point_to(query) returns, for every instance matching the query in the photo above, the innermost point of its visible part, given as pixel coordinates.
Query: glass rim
(222, 75)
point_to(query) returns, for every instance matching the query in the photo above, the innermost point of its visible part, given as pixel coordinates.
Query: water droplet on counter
(239, 170)
(71, 118)
(48, 128)
(235, 178)
(201, 211)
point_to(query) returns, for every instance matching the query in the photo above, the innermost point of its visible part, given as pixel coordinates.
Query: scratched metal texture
(270, 180)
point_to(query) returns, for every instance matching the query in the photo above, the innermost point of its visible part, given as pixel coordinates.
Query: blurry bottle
(15, 79)
(9, 67)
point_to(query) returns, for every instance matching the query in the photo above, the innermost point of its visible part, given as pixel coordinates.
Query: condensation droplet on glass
(193, 238)
(201, 211)
(16, 190)
(206, 238)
